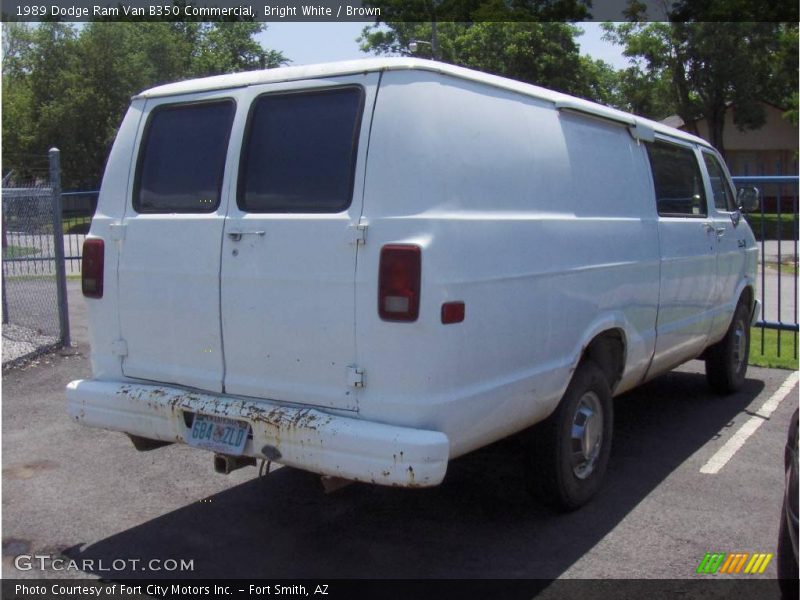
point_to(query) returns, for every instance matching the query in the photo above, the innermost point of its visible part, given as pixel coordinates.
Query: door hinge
(117, 231)
(355, 377)
(119, 347)
(359, 232)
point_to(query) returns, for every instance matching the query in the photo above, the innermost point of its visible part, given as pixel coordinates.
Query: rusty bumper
(305, 438)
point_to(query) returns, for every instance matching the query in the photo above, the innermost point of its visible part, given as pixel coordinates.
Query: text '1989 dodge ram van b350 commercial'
(366, 269)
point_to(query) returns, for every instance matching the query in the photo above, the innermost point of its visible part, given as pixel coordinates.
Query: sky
(308, 43)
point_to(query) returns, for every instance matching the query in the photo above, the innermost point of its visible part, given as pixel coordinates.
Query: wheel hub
(587, 435)
(739, 346)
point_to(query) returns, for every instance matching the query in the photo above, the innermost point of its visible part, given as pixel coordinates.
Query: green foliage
(12, 251)
(707, 67)
(541, 53)
(69, 88)
(544, 54)
(775, 11)
(520, 39)
(783, 72)
(784, 228)
(230, 47)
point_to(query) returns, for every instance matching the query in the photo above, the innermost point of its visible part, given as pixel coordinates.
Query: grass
(76, 224)
(786, 267)
(770, 357)
(787, 224)
(12, 251)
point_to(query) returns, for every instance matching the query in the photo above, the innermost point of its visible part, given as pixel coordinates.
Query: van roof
(316, 71)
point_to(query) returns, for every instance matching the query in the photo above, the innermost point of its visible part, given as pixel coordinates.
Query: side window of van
(677, 179)
(299, 152)
(182, 158)
(724, 198)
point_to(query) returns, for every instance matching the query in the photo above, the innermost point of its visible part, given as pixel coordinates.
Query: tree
(783, 74)
(541, 53)
(451, 28)
(230, 47)
(35, 63)
(707, 67)
(544, 54)
(17, 94)
(775, 11)
(70, 87)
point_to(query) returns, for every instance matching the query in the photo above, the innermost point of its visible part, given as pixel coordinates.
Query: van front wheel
(571, 447)
(726, 361)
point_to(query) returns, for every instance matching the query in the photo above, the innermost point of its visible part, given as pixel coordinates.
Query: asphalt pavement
(80, 493)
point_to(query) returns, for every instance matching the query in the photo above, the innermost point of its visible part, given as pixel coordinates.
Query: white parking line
(737, 440)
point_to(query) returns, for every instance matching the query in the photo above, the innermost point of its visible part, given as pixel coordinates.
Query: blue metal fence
(776, 227)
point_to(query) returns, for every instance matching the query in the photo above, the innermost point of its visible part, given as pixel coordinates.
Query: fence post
(3, 292)
(5, 245)
(58, 246)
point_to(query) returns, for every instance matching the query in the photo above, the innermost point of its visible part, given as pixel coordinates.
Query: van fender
(637, 348)
(746, 282)
(728, 308)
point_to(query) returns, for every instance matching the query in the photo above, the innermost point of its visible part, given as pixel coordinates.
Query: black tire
(562, 475)
(726, 361)
(787, 561)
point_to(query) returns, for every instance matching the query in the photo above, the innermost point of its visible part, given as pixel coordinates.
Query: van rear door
(290, 242)
(168, 274)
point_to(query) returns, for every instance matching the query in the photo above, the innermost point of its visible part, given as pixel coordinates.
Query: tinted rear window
(182, 159)
(677, 179)
(300, 150)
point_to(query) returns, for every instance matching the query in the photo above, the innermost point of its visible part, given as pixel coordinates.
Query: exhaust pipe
(226, 464)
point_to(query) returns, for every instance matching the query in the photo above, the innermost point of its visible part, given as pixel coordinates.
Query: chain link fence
(34, 302)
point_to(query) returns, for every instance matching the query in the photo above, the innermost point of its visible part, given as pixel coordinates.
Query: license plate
(226, 436)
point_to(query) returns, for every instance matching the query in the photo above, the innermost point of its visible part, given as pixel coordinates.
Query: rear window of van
(182, 158)
(299, 152)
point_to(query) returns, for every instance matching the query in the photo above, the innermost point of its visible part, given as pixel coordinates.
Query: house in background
(772, 149)
(769, 150)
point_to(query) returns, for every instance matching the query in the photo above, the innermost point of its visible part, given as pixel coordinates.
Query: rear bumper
(306, 438)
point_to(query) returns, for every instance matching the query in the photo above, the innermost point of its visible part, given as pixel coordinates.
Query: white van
(366, 269)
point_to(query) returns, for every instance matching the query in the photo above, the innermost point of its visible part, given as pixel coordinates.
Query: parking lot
(87, 494)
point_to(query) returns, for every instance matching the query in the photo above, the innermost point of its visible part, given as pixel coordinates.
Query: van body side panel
(169, 279)
(611, 190)
(287, 284)
(536, 220)
(103, 313)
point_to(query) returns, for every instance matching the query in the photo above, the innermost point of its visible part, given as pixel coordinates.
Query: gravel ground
(21, 342)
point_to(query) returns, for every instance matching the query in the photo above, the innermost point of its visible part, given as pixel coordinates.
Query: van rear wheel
(726, 361)
(571, 448)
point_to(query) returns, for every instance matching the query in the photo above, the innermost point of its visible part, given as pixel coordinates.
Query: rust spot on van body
(292, 429)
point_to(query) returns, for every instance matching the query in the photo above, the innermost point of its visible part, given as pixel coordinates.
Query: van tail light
(92, 268)
(399, 282)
